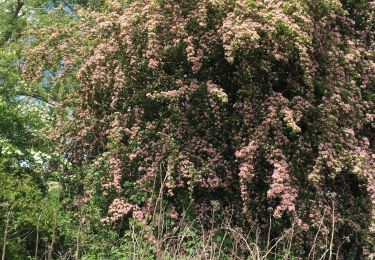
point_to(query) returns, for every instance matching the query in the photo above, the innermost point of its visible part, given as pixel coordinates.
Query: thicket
(211, 129)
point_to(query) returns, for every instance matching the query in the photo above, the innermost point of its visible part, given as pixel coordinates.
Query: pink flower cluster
(281, 184)
(118, 209)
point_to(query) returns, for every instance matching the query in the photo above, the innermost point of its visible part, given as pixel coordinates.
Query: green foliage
(213, 129)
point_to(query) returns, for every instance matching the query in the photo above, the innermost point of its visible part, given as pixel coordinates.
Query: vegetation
(200, 129)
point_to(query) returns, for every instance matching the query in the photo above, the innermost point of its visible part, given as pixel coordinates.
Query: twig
(6, 233)
(312, 251)
(37, 238)
(333, 230)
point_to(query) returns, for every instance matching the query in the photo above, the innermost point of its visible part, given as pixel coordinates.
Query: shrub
(264, 108)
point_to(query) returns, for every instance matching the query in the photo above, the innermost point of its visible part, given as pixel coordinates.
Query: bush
(260, 108)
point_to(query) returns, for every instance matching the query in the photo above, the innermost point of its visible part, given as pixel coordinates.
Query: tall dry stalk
(7, 221)
(37, 238)
(333, 230)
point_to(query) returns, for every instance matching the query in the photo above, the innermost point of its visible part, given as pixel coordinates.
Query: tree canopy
(187, 127)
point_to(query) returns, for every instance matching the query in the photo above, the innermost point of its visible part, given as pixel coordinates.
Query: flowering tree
(265, 107)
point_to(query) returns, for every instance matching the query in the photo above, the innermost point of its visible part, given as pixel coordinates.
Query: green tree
(24, 147)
